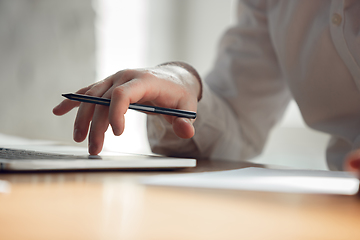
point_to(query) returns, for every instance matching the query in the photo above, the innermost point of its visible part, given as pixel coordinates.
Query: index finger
(66, 105)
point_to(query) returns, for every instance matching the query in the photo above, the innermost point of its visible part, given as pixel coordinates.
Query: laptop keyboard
(7, 153)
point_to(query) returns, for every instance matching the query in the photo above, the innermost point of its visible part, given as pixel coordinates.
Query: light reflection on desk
(112, 205)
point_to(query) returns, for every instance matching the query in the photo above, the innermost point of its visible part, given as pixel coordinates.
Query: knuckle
(101, 83)
(91, 92)
(126, 75)
(119, 73)
(82, 90)
(119, 91)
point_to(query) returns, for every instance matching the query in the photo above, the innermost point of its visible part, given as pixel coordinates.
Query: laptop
(49, 157)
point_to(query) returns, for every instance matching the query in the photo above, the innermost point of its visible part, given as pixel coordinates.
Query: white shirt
(278, 50)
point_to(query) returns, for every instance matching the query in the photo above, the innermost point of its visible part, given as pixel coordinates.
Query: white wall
(47, 47)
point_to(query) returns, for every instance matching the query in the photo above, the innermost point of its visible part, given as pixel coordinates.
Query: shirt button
(336, 19)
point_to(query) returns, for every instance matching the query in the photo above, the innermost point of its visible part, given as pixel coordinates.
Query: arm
(243, 96)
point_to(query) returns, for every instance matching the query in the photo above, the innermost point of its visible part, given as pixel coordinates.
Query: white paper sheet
(261, 179)
(4, 186)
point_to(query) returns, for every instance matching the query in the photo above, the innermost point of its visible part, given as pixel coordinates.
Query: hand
(165, 86)
(352, 162)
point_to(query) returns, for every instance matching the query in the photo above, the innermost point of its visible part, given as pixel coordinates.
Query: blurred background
(50, 47)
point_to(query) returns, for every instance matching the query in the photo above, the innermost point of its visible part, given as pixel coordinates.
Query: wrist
(191, 70)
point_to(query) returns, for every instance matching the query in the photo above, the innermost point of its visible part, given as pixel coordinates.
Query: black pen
(134, 106)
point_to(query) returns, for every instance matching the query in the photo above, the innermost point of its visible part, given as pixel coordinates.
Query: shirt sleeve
(243, 96)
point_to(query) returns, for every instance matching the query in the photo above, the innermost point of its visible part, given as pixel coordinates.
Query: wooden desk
(112, 205)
